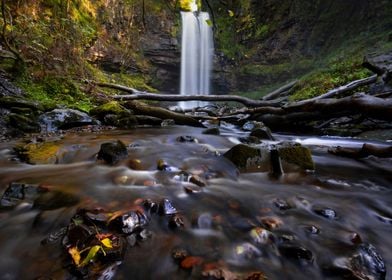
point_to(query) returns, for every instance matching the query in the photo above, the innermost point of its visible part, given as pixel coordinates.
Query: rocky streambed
(177, 202)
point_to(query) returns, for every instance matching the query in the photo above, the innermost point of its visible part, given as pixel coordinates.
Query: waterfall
(196, 56)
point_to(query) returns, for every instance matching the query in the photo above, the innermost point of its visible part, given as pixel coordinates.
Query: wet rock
(166, 208)
(312, 229)
(197, 180)
(151, 206)
(295, 251)
(55, 199)
(176, 221)
(26, 123)
(364, 264)
(114, 114)
(247, 157)
(38, 153)
(148, 120)
(296, 155)
(252, 125)
(19, 192)
(130, 222)
(191, 189)
(260, 235)
(355, 238)
(212, 131)
(179, 254)
(271, 222)
(162, 165)
(64, 119)
(263, 133)
(326, 213)
(187, 139)
(12, 101)
(247, 251)
(282, 204)
(250, 140)
(135, 164)
(112, 153)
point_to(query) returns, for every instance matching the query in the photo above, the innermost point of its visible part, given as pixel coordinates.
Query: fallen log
(143, 109)
(282, 91)
(142, 95)
(320, 109)
(342, 89)
(176, 98)
(365, 151)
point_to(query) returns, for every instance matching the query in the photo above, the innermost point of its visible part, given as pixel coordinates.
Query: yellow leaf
(231, 13)
(75, 254)
(107, 243)
(209, 22)
(91, 255)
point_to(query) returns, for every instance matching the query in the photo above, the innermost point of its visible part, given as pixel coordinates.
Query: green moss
(338, 72)
(41, 153)
(54, 91)
(297, 154)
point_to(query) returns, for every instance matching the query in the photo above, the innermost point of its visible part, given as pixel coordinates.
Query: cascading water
(196, 55)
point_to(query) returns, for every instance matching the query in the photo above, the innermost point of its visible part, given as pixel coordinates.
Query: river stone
(212, 131)
(19, 192)
(112, 153)
(364, 264)
(38, 153)
(296, 155)
(246, 157)
(64, 119)
(263, 133)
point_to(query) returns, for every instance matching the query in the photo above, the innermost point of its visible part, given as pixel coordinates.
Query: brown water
(218, 219)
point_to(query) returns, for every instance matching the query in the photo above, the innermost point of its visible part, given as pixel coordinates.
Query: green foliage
(56, 91)
(338, 72)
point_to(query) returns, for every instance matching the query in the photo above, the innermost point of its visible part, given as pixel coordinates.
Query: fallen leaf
(190, 262)
(91, 255)
(107, 243)
(231, 13)
(75, 254)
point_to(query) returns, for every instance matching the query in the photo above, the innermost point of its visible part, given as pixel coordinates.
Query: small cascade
(196, 56)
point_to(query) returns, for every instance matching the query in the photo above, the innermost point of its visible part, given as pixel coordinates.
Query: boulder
(262, 133)
(112, 153)
(64, 119)
(278, 158)
(38, 153)
(114, 114)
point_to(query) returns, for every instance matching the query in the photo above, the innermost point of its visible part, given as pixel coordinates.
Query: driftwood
(366, 150)
(320, 109)
(175, 98)
(282, 91)
(142, 95)
(342, 89)
(143, 109)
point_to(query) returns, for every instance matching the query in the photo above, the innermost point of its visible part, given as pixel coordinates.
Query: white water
(196, 56)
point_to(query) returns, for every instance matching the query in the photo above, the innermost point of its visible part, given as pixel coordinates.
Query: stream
(316, 221)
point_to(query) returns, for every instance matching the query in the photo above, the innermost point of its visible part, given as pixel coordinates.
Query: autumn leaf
(75, 254)
(91, 255)
(209, 22)
(231, 13)
(107, 243)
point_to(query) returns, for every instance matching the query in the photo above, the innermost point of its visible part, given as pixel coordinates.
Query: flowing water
(196, 56)
(219, 219)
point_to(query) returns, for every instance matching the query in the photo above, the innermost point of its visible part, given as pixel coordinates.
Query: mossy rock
(9, 102)
(249, 158)
(110, 108)
(112, 113)
(20, 124)
(296, 154)
(38, 153)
